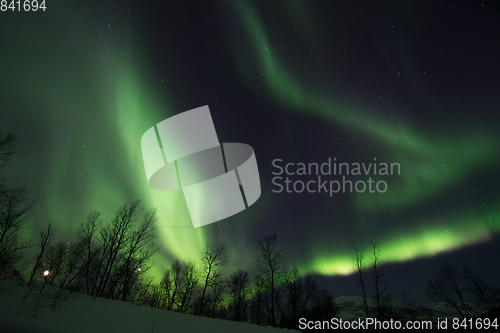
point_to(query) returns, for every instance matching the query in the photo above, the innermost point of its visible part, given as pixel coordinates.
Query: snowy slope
(81, 313)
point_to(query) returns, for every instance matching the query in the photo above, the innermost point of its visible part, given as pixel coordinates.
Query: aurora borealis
(414, 84)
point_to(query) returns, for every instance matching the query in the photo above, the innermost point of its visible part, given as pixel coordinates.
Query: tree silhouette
(44, 243)
(269, 264)
(377, 275)
(449, 287)
(212, 258)
(8, 147)
(54, 261)
(239, 292)
(86, 235)
(190, 279)
(481, 291)
(302, 298)
(113, 239)
(15, 209)
(139, 247)
(259, 301)
(357, 260)
(294, 296)
(73, 265)
(218, 285)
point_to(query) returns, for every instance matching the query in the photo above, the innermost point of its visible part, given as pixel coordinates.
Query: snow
(71, 312)
(82, 313)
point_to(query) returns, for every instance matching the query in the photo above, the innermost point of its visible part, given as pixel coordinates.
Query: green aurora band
(89, 101)
(431, 165)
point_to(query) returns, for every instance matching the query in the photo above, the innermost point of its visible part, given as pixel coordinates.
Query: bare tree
(323, 305)
(212, 258)
(293, 294)
(310, 289)
(113, 239)
(15, 209)
(54, 261)
(138, 249)
(148, 293)
(258, 301)
(218, 288)
(116, 253)
(377, 275)
(44, 243)
(191, 280)
(449, 287)
(164, 292)
(357, 260)
(239, 292)
(177, 287)
(8, 147)
(269, 265)
(302, 298)
(74, 265)
(481, 291)
(86, 234)
(177, 277)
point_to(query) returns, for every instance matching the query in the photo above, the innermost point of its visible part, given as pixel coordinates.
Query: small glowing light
(139, 269)
(45, 273)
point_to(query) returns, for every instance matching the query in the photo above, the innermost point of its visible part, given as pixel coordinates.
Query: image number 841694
(25, 5)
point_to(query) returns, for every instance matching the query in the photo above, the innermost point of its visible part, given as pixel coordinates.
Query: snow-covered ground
(25, 310)
(74, 313)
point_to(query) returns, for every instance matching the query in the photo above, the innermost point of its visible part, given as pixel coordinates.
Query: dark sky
(409, 83)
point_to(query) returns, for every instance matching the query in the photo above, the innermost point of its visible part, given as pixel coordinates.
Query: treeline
(455, 288)
(462, 292)
(107, 258)
(276, 296)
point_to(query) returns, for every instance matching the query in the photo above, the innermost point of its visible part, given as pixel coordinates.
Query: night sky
(410, 83)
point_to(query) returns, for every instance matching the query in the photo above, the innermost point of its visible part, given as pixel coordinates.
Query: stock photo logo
(184, 153)
(286, 174)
